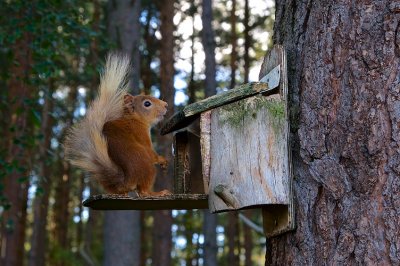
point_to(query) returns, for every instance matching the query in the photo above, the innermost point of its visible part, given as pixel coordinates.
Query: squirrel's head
(148, 108)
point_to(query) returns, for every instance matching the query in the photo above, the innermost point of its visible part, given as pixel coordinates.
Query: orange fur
(113, 141)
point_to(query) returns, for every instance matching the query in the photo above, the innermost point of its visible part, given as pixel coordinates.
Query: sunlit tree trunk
(344, 65)
(122, 228)
(162, 238)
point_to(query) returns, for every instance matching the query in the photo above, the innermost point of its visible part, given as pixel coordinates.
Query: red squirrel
(113, 141)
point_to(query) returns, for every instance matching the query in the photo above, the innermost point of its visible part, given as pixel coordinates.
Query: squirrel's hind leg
(144, 186)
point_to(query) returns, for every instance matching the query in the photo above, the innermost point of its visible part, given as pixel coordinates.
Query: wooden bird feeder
(232, 150)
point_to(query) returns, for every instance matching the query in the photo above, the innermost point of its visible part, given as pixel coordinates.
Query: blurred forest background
(51, 53)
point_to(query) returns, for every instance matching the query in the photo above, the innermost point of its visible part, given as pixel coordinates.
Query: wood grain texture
(170, 202)
(205, 135)
(277, 220)
(249, 154)
(187, 163)
(192, 111)
(180, 162)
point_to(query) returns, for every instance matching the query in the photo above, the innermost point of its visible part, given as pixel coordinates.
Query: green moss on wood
(235, 114)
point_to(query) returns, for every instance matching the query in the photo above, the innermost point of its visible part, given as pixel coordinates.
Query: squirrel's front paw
(162, 162)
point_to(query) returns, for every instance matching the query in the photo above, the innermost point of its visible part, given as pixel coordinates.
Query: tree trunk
(162, 238)
(191, 83)
(208, 42)
(61, 208)
(15, 183)
(246, 56)
(124, 29)
(151, 50)
(344, 84)
(120, 242)
(232, 234)
(233, 57)
(41, 202)
(248, 240)
(190, 247)
(62, 189)
(210, 238)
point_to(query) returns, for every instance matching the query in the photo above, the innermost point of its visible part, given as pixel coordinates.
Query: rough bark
(162, 238)
(124, 30)
(41, 202)
(343, 59)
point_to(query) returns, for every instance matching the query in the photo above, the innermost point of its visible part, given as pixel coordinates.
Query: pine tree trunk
(248, 241)
(208, 41)
(15, 183)
(210, 238)
(344, 84)
(124, 30)
(191, 85)
(232, 234)
(41, 202)
(233, 57)
(247, 38)
(62, 190)
(162, 238)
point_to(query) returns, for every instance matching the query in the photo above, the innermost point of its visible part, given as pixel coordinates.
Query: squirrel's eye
(147, 103)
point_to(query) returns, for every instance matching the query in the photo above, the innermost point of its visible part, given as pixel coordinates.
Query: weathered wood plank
(280, 220)
(249, 154)
(205, 131)
(180, 162)
(192, 111)
(187, 163)
(170, 202)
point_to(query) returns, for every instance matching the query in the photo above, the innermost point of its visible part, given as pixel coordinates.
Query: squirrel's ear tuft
(128, 98)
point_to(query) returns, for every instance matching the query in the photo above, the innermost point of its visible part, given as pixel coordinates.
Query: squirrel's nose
(166, 104)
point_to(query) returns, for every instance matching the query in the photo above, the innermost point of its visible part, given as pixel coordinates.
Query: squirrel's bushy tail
(85, 145)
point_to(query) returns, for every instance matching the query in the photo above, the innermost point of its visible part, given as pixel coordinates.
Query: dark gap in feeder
(170, 202)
